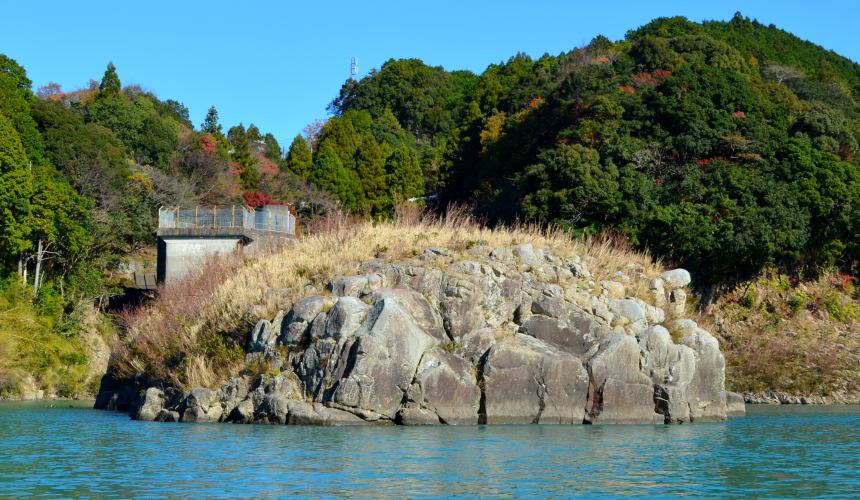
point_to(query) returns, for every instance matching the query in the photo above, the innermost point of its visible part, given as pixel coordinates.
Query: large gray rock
(381, 363)
(153, 403)
(202, 405)
(303, 413)
(671, 368)
(449, 388)
(265, 335)
(294, 330)
(706, 392)
(676, 278)
(619, 392)
(355, 286)
(579, 335)
(422, 312)
(527, 381)
(735, 405)
(345, 317)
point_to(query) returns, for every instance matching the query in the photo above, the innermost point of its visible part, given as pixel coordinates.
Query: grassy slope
(797, 338)
(38, 354)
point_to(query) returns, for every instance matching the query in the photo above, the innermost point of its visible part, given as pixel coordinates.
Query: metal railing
(274, 218)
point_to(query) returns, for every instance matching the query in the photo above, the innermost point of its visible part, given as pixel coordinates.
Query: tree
(15, 99)
(329, 173)
(370, 167)
(15, 192)
(273, 149)
(404, 174)
(299, 160)
(110, 84)
(242, 157)
(210, 124)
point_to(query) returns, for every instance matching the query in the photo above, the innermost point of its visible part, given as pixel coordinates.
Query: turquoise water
(774, 451)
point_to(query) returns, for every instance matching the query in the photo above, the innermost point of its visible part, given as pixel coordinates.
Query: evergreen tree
(329, 173)
(370, 167)
(299, 160)
(110, 84)
(15, 192)
(210, 124)
(273, 149)
(404, 174)
(242, 156)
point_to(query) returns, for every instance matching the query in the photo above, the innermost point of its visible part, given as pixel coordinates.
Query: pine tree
(299, 159)
(110, 85)
(210, 124)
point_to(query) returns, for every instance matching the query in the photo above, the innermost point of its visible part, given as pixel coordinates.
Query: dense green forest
(725, 147)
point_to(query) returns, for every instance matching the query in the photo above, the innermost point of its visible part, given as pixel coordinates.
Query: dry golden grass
(192, 335)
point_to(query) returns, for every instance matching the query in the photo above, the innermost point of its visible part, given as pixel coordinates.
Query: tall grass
(194, 333)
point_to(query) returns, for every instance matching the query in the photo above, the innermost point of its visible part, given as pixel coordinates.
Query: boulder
(422, 312)
(527, 256)
(381, 363)
(706, 392)
(475, 344)
(735, 405)
(676, 278)
(355, 286)
(618, 391)
(201, 405)
(448, 386)
(628, 311)
(303, 413)
(528, 381)
(345, 317)
(153, 403)
(578, 335)
(671, 368)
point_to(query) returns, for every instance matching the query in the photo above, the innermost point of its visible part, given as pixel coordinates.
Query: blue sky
(278, 64)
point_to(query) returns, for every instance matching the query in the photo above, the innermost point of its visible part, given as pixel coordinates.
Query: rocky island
(459, 335)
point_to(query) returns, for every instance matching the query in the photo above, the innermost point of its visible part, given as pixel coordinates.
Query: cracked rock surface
(504, 335)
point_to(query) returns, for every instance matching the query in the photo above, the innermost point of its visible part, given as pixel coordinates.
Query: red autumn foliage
(600, 60)
(740, 115)
(235, 168)
(651, 78)
(207, 143)
(256, 199)
(842, 280)
(626, 89)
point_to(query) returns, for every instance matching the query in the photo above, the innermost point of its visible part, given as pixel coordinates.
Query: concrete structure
(188, 237)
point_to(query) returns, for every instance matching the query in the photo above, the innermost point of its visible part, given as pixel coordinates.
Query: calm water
(775, 451)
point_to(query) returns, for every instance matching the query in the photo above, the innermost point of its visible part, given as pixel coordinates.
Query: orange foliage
(651, 78)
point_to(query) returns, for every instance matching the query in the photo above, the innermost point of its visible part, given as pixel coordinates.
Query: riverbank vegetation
(728, 148)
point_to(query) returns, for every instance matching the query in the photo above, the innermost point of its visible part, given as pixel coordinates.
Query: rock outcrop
(503, 335)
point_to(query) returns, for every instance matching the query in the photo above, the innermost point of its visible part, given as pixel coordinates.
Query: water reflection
(773, 452)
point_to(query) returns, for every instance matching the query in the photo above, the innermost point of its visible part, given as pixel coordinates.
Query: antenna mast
(353, 67)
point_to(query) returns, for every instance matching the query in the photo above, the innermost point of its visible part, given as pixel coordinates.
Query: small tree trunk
(24, 277)
(20, 263)
(36, 276)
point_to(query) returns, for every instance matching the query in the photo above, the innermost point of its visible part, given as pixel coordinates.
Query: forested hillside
(725, 147)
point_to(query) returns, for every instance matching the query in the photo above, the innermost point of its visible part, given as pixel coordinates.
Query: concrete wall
(178, 255)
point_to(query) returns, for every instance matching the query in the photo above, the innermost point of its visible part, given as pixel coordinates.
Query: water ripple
(775, 451)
